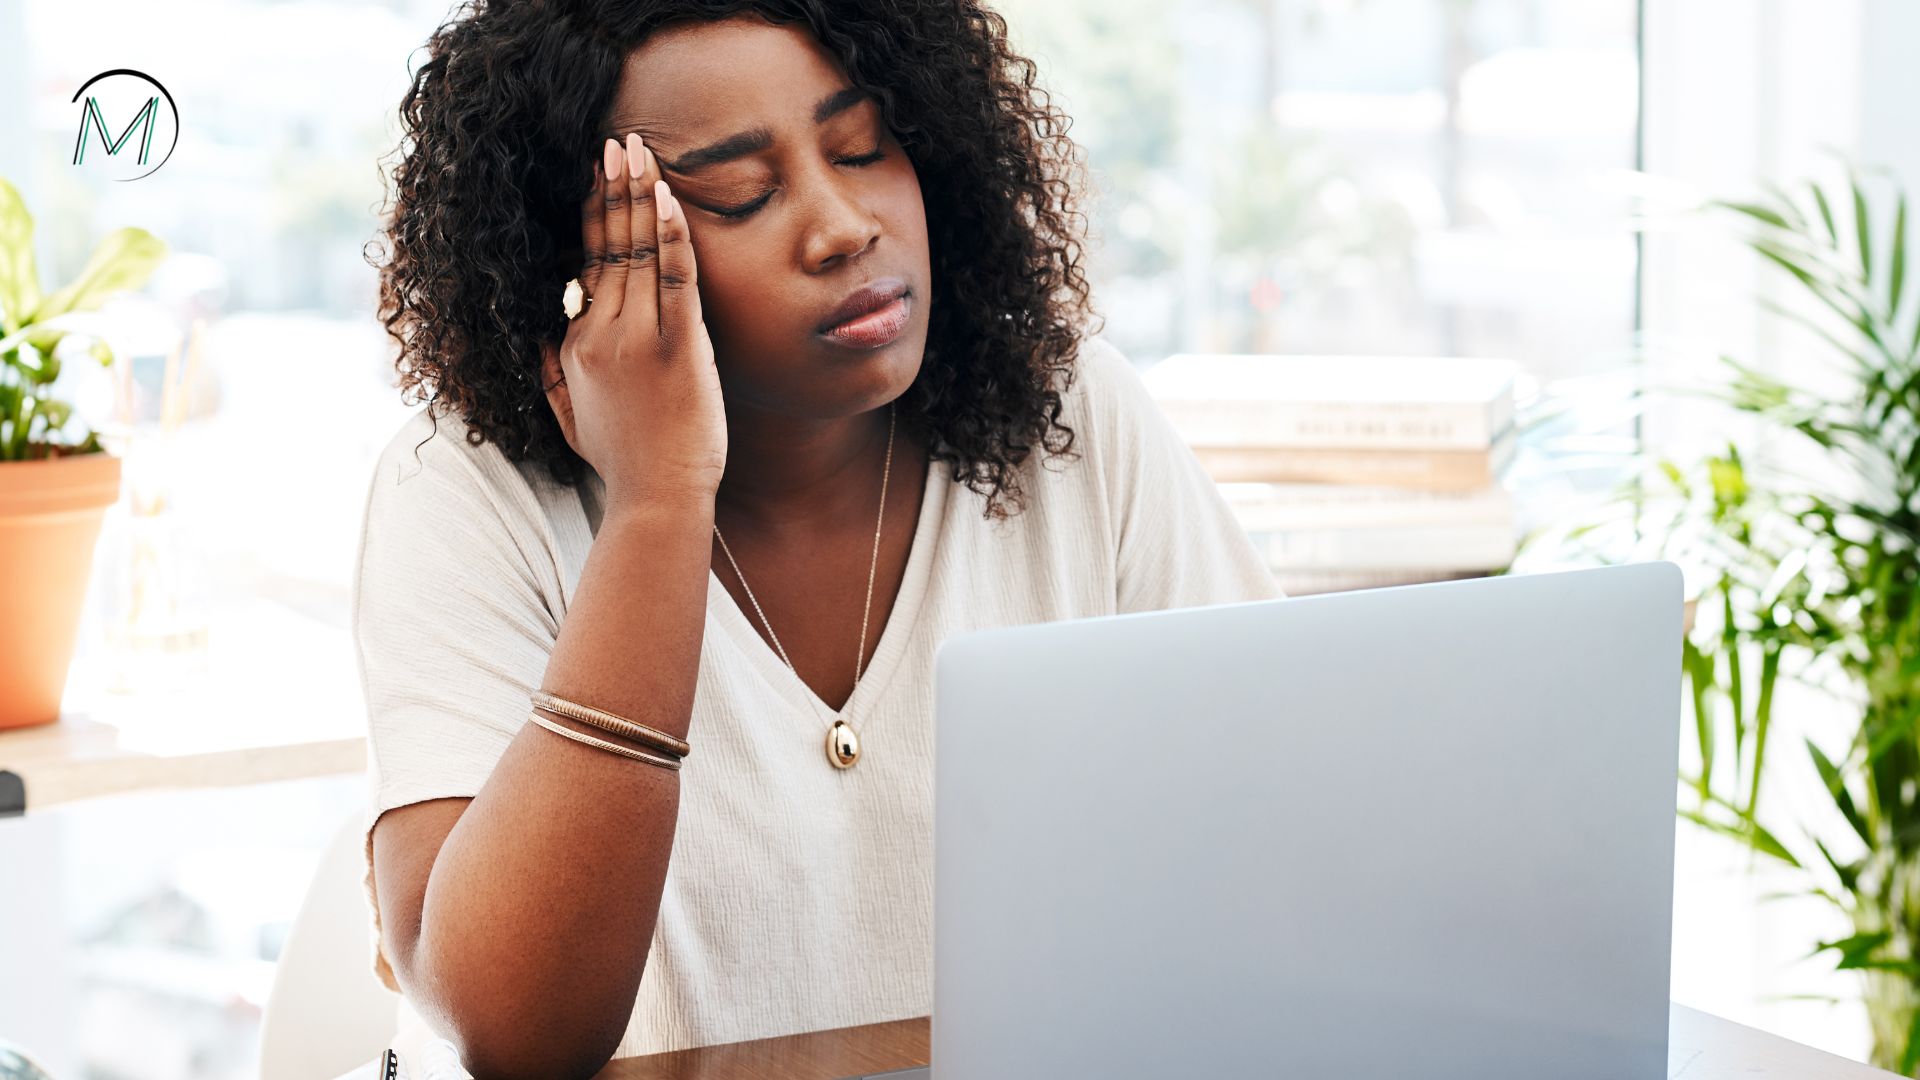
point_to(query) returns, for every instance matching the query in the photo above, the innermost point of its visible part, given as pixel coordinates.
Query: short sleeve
(1180, 544)
(451, 629)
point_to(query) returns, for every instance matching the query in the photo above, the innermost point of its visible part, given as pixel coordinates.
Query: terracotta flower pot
(50, 516)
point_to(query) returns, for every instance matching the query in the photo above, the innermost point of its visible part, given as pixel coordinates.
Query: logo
(135, 98)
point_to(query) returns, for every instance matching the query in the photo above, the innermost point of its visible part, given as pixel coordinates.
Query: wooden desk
(1700, 1047)
(818, 1055)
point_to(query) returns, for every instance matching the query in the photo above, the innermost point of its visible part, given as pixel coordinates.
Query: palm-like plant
(1817, 579)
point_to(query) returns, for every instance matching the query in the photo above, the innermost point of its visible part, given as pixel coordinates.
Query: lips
(875, 329)
(868, 298)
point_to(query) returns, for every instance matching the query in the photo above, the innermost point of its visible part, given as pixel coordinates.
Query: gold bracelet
(668, 763)
(608, 722)
(636, 736)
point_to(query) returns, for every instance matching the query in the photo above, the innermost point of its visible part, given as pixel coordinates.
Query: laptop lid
(1414, 831)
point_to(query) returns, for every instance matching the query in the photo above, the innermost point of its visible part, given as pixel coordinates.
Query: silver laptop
(1423, 831)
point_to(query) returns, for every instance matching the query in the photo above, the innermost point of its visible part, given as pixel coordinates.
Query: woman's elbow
(516, 1054)
(500, 1031)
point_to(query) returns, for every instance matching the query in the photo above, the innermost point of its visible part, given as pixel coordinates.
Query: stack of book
(1354, 472)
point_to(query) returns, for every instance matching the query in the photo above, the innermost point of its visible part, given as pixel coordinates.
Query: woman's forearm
(540, 906)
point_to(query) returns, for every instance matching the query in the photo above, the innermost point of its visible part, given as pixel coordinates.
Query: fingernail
(635, 150)
(662, 200)
(612, 159)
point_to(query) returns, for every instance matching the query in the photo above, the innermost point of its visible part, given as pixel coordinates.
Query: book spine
(1343, 425)
(1437, 548)
(1309, 582)
(1435, 470)
(1284, 494)
(1492, 508)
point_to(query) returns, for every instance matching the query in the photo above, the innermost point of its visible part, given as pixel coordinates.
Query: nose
(843, 228)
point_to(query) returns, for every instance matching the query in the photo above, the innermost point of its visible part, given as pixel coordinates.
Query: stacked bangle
(608, 722)
(669, 763)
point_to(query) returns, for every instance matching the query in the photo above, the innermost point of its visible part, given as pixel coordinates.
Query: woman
(697, 507)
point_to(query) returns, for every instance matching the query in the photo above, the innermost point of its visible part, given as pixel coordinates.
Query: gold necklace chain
(843, 743)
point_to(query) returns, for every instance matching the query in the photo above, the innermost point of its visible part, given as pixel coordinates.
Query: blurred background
(1508, 179)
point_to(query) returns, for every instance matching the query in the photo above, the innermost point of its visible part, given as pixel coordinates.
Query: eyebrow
(754, 140)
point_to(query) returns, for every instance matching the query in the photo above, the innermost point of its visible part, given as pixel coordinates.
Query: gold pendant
(843, 746)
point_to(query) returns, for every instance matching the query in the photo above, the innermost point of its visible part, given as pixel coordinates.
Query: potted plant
(54, 491)
(1816, 578)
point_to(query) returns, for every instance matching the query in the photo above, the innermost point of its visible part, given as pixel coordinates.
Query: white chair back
(327, 1013)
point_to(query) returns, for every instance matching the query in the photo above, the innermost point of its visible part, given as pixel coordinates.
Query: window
(1353, 176)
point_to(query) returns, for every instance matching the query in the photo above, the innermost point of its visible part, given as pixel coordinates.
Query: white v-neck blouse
(798, 896)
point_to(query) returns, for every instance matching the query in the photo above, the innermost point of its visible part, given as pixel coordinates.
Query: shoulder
(1107, 395)
(424, 445)
(440, 509)
(1098, 402)
(1101, 372)
(429, 463)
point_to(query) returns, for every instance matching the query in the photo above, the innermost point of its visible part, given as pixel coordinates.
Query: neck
(786, 473)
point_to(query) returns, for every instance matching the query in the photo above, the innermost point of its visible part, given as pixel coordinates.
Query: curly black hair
(485, 221)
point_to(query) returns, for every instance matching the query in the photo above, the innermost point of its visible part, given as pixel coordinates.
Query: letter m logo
(90, 118)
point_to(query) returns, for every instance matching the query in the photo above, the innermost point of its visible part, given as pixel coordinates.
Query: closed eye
(743, 211)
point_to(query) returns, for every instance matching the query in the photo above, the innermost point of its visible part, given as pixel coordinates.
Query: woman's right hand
(633, 383)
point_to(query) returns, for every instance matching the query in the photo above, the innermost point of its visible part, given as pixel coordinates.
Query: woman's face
(771, 151)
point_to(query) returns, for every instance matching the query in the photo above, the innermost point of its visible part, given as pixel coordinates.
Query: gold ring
(575, 299)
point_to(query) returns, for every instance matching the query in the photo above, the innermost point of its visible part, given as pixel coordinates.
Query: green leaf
(1890, 762)
(23, 427)
(1736, 682)
(19, 276)
(1860, 225)
(1814, 891)
(1826, 213)
(56, 413)
(1837, 790)
(1910, 1056)
(1853, 950)
(1897, 270)
(1747, 832)
(1674, 476)
(1787, 261)
(1763, 718)
(1786, 204)
(34, 359)
(1823, 290)
(123, 261)
(1755, 211)
(1847, 873)
(1729, 486)
(1913, 347)
(1860, 359)
(1700, 678)
(46, 339)
(1905, 968)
